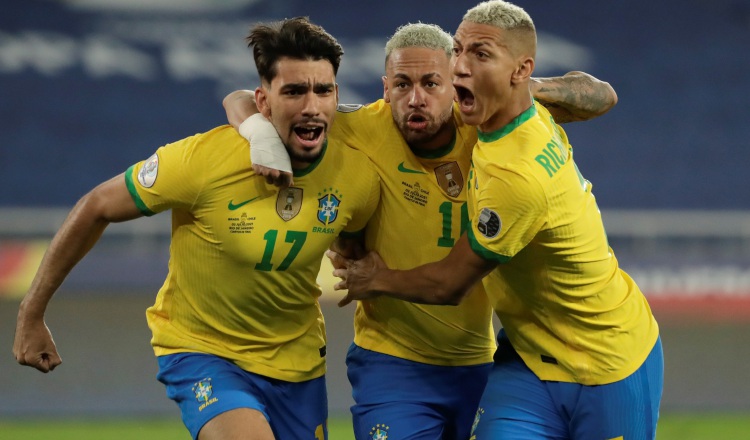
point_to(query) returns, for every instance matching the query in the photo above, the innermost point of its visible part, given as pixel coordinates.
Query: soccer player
(418, 371)
(579, 355)
(237, 327)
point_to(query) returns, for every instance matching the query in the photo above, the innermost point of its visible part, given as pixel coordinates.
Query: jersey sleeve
(355, 125)
(511, 209)
(371, 197)
(171, 178)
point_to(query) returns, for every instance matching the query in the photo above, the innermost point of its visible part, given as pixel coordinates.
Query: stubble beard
(307, 157)
(416, 139)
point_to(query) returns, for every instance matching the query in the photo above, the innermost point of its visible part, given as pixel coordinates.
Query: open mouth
(465, 98)
(416, 122)
(309, 136)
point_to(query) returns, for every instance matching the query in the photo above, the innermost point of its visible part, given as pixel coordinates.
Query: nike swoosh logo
(232, 206)
(403, 169)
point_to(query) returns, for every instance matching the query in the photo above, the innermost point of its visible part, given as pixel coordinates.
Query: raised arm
(575, 96)
(108, 202)
(444, 282)
(239, 105)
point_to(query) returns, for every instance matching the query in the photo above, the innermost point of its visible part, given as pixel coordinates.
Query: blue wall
(86, 92)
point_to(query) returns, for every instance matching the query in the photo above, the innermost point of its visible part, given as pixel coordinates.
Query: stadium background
(88, 87)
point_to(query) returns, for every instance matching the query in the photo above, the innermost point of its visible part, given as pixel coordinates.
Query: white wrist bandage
(266, 148)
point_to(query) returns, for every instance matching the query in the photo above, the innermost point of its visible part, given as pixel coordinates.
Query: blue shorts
(517, 405)
(404, 400)
(205, 386)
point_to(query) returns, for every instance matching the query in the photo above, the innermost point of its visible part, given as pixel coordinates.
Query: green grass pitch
(699, 426)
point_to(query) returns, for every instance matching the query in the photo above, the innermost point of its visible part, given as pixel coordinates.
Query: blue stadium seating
(87, 91)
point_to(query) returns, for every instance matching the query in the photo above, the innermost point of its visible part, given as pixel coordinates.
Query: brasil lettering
(322, 230)
(209, 402)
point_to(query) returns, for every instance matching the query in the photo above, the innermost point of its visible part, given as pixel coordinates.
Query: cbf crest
(288, 203)
(328, 206)
(449, 178)
(379, 432)
(474, 425)
(204, 393)
(203, 390)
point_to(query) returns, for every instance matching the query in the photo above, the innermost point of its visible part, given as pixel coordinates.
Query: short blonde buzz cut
(506, 16)
(430, 36)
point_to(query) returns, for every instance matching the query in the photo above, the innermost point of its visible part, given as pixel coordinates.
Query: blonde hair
(506, 16)
(430, 36)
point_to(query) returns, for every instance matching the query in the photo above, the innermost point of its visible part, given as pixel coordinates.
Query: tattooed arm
(575, 96)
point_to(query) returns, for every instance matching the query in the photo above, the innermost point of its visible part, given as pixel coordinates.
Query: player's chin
(417, 137)
(412, 135)
(306, 154)
(471, 116)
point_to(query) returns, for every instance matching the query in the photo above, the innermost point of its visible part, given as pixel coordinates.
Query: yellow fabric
(571, 313)
(417, 221)
(242, 279)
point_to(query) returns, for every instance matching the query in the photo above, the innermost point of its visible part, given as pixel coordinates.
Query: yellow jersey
(244, 256)
(422, 212)
(568, 309)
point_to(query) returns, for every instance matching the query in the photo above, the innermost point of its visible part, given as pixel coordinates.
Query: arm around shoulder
(444, 282)
(268, 154)
(239, 105)
(575, 96)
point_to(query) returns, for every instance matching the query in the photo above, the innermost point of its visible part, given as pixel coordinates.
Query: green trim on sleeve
(134, 193)
(482, 251)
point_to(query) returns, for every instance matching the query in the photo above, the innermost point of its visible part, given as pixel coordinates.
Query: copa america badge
(489, 223)
(148, 172)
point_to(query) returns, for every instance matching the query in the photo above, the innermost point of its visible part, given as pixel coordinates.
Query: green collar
(440, 152)
(308, 169)
(512, 125)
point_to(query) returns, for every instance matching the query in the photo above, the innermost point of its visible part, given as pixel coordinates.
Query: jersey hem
(559, 375)
(450, 360)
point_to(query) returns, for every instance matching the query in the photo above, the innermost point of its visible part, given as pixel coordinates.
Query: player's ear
(385, 89)
(261, 101)
(337, 93)
(523, 71)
